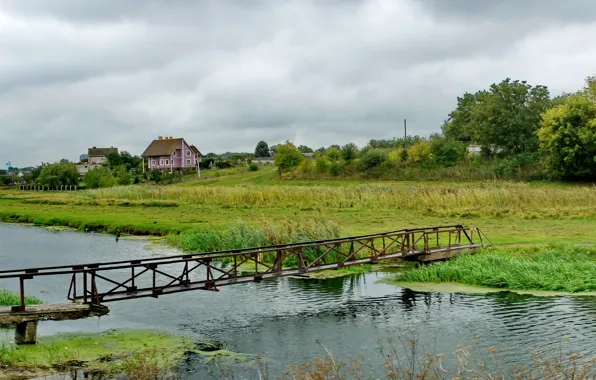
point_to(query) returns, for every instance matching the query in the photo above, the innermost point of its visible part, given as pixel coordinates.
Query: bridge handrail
(124, 264)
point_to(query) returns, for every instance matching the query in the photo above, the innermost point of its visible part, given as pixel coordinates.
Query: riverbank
(556, 268)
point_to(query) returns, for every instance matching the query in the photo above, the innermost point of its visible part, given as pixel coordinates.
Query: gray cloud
(226, 74)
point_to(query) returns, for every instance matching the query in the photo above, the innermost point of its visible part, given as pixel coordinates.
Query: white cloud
(225, 75)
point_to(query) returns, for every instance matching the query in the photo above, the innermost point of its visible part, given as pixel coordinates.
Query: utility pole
(405, 134)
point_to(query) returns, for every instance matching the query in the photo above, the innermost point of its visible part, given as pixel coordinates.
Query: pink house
(171, 154)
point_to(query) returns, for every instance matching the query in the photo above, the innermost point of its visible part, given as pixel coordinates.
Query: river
(284, 320)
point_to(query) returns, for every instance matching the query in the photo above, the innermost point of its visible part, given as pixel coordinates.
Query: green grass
(564, 268)
(508, 212)
(8, 298)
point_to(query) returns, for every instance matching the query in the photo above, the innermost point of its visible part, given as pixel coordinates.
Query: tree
(273, 150)
(99, 177)
(506, 117)
(262, 150)
(305, 149)
(59, 174)
(349, 152)
(568, 137)
(287, 156)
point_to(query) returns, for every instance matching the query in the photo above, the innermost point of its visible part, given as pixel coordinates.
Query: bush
(99, 177)
(446, 152)
(336, 168)
(321, 163)
(373, 158)
(253, 168)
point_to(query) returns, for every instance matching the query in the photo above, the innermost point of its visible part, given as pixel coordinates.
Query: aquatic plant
(8, 298)
(567, 268)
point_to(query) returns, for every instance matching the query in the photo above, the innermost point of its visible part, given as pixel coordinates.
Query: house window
(153, 163)
(161, 162)
(188, 162)
(188, 152)
(167, 162)
(174, 154)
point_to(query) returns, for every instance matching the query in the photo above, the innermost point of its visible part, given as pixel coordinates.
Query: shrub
(253, 168)
(321, 163)
(336, 168)
(373, 158)
(99, 177)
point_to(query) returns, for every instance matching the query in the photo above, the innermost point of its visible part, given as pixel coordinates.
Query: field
(508, 212)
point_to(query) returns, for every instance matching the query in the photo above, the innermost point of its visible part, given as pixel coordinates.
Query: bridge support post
(26, 333)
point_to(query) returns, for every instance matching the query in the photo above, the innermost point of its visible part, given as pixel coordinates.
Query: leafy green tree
(54, 175)
(287, 156)
(262, 150)
(305, 149)
(349, 152)
(99, 177)
(273, 150)
(505, 117)
(568, 137)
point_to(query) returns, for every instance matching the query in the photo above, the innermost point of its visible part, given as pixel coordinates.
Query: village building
(167, 153)
(95, 158)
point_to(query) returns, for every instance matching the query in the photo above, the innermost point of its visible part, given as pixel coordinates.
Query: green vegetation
(242, 235)
(8, 298)
(110, 353)
(552, 268)
(568, 135)
(507, 212)
(55, 175)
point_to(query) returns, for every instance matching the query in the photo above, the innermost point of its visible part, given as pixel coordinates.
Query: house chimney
(160, 138)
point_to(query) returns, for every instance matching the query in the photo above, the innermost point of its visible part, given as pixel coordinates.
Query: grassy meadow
(508, 212)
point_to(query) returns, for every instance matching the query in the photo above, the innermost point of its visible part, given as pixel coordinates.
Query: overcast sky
(226, 74)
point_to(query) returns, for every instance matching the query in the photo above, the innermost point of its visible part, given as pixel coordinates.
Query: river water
(287, 320)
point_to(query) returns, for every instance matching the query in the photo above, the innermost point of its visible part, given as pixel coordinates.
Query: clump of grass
(8, 298)
(554, 268)
(244, 235)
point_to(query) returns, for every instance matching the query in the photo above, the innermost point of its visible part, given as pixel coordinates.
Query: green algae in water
(93, 349)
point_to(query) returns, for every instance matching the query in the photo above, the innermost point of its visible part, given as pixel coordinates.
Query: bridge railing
(117, 280)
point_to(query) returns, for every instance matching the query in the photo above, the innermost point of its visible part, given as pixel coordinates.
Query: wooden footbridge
(92, 285)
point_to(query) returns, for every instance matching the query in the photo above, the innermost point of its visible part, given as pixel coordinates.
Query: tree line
(522, 132)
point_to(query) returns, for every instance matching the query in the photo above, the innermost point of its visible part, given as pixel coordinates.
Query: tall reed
(482, 198)
(244, 235)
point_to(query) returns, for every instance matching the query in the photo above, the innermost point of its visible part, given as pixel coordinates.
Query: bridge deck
(51, 312)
